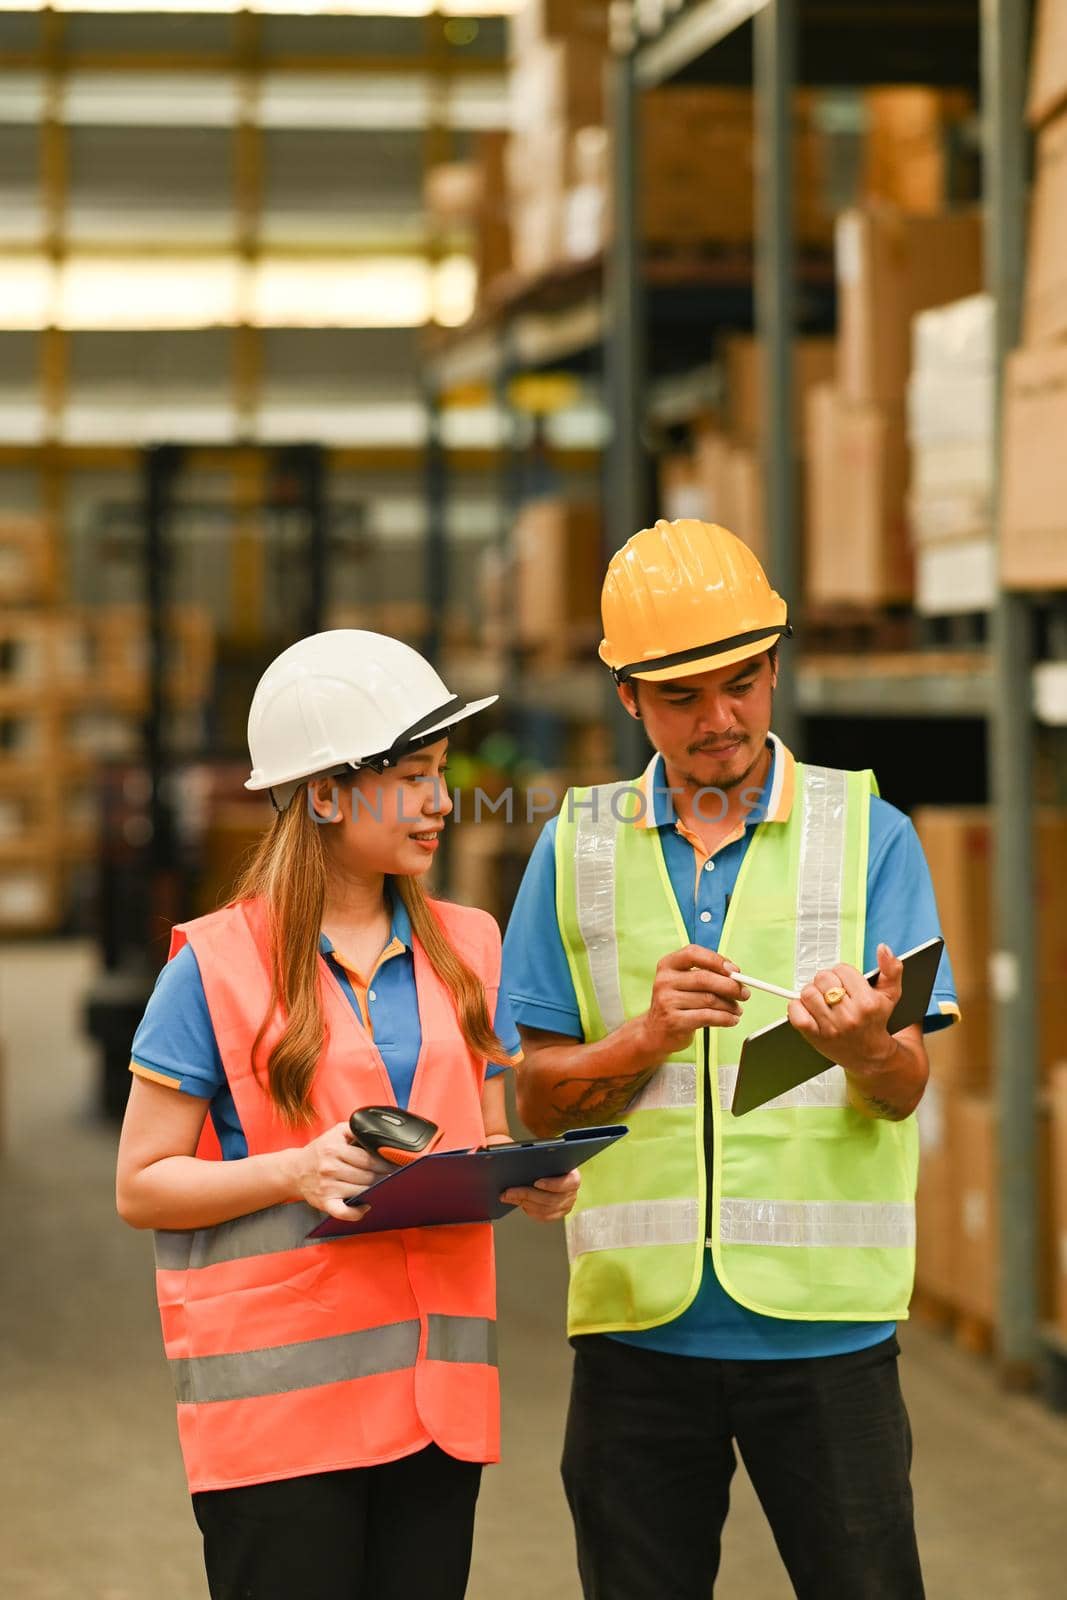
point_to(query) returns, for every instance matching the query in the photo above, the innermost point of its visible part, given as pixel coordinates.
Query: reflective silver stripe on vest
(251, 1374)
(828, 1091)
(673, 1087)
(248, 1374)
(464, 1339)
(261, 1233)
(594, 883)
(825, 1224)
(633, 1224)
(821, 874)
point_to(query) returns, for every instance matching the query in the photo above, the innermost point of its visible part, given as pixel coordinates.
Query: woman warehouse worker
(336, 1399)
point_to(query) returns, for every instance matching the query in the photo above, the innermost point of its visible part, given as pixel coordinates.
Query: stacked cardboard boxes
(1057, 1232)
(916, 147)
(558, 64)
(719, 478)
(42, 678)
(957, 1203)
(890, 267)
(958, 844)
(1034, 524)
(557, 570)
(73, 688)
(950, 429)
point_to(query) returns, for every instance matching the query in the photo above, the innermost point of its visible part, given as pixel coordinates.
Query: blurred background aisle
(404, 316)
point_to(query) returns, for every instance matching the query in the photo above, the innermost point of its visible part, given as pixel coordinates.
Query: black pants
(649, 1455)
(370, 1533)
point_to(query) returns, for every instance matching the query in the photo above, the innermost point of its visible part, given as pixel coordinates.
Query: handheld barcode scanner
(395, 1135)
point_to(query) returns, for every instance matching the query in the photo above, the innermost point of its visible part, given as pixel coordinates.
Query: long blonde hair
(289, 873)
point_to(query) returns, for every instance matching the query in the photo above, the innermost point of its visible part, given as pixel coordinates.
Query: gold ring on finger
(834, 997)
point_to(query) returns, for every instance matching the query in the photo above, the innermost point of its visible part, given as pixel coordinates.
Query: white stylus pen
(768, 988)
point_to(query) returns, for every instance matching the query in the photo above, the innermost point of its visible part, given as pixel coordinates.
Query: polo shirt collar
(776, 797)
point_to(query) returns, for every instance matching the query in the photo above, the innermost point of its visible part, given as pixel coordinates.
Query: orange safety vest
(289, 1356)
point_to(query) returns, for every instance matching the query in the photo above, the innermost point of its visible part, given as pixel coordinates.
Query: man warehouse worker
(733, 1280)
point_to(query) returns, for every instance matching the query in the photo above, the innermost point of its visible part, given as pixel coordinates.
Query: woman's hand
(333, 1167)
(548, 1200)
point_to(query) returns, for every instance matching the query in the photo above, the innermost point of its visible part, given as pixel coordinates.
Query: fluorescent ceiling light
(283, 8)
(141, 293)
(26, 294)
(131, 293)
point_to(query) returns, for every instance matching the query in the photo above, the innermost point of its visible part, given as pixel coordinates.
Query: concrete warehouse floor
(90, 1480)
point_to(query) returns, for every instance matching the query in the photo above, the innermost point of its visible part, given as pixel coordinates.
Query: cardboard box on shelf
(1048, 79)
(31, 896)
(814, 362)
(558, 573)
(955, 576)
(1057, 1231)
(454, 191)
(963, 1056)
(698, 157)
(743, 511)
(1045, 289)
(32, 737)
(681, 493)
(558, 82)
(29, 560)
(45, 658)
(540, 161)
(534, 21)
(958, 844)
(963, 515)
(52, 811)
(889, 268)
(537, 232)
(972, 1146)
(934, 1252)
(858, 551)
(1034, 527)
(913, 145)
(492, 234)
(121, 650)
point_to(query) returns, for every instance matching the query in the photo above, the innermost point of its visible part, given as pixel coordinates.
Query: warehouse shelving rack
(777, 45)
(979, 42)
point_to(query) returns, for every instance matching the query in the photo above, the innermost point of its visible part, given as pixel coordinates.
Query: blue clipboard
(465, 1185)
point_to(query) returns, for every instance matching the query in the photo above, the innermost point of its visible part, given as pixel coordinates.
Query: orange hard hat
(685, 597)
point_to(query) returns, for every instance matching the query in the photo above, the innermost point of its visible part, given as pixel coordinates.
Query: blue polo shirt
(175, 1041)
(901, 912)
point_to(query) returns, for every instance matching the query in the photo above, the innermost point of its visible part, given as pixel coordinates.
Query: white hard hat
(345, 699)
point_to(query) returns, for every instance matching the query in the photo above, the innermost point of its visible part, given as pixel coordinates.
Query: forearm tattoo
(585, 1097)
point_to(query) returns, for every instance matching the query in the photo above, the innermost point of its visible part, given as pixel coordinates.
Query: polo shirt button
(705, 916)
(371, 995)
(709, 866)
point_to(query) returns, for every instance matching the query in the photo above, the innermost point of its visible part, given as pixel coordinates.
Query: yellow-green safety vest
(810, 1210)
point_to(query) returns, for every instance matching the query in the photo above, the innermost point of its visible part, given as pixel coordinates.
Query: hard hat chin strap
(414, 737)
(423, 732)
(682, 658)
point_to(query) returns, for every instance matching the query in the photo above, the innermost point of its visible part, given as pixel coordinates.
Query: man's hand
(853, 1032)
(887, 1073)
(693, 988)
